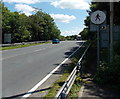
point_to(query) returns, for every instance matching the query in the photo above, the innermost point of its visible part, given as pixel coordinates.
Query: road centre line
(22, 54)
(39, 50)
(45, 78)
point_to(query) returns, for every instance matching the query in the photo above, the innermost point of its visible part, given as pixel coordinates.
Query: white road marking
(22, 54)
(44, 79)
(37, 50)
(43, 48)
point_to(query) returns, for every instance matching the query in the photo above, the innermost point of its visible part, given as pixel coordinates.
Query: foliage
(61, 38)
(103, 6)
(72, 37)
(117, 48)
(43, 27)
(75, 88)
(16, 24)
(84, 34)
(37, 27)
(56, 86)
(107, 74)
(110, 75)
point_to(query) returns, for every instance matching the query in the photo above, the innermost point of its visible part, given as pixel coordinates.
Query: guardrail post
(63, 96)
(81, 70)
(78, 67)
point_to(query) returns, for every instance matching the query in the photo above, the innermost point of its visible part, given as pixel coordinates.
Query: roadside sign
(98, 17)
(7, 38)
(93, 27)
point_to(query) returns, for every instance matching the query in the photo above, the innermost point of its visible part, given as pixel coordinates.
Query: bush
(109, 75)
(117, 48)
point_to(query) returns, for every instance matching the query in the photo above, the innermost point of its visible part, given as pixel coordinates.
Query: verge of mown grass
(67, 70)
(21, 46)
(76, 87)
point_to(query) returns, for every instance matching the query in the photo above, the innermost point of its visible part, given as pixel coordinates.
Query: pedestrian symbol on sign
(97, 17)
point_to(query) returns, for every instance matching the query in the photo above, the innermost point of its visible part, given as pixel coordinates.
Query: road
(23, 68)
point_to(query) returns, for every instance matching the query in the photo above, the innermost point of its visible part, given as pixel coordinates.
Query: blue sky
(68, 15)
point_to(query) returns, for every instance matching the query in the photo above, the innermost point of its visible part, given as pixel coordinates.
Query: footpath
(91, 91)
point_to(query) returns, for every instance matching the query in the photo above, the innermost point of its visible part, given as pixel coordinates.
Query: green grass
(75, 88)
(57, 85)
(21, 46)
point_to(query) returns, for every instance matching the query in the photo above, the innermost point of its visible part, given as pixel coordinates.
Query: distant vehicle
(55, 41)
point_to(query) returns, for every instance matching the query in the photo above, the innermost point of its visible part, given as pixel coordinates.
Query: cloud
(24, 9)
(22, 1)
(63, 18)
(105, 0)
(72, 31)
(71, 4)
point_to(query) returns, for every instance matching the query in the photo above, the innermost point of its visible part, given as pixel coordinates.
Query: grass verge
(76, 87)
(21, 46)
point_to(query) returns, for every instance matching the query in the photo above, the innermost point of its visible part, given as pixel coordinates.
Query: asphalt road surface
(23, 68)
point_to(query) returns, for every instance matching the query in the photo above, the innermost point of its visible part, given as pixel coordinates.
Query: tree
(20, 27)
(72, 37)
(16, 24)
(6, 15)
(103, 6)
(43, 27)
(37, 27)
(61, 38)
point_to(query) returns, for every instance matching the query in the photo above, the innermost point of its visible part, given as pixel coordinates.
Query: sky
(69, 15)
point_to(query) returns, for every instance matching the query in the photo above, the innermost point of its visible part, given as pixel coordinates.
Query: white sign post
(98, 17)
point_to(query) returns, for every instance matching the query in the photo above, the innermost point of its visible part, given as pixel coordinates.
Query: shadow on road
(20, 95)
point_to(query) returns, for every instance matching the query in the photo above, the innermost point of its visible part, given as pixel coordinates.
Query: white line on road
(22, 54)
(44, 79)
(38, 50)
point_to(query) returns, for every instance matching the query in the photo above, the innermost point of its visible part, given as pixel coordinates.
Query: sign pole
(98, 17)
(98, 45)
(111, 30)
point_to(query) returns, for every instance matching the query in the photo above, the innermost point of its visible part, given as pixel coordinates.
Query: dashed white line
(22, 54)
(37, 50)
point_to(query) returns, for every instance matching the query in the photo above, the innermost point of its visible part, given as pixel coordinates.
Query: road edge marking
(45, 78)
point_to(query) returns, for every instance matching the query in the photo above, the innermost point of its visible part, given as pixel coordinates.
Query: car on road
(55, 41)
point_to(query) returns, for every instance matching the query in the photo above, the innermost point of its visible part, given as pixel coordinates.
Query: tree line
(37, 27)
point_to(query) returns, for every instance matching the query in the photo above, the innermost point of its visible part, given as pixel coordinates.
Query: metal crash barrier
(63, 92)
